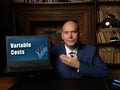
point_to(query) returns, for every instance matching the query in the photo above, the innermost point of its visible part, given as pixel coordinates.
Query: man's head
(70, 34)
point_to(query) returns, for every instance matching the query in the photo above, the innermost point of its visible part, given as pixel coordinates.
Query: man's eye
(74, 32)
(65, 32)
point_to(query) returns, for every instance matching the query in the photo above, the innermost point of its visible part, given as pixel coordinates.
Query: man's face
(70, 35)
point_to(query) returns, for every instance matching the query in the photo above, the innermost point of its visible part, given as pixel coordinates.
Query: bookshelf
(109, 50)
(39, 12)
(108, 38)
(108, 46)
(32, 16)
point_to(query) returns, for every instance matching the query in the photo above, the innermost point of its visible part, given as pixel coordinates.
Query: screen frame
(44, 64)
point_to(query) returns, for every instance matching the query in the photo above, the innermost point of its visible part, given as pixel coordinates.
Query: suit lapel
(62, 49)
(80, 51)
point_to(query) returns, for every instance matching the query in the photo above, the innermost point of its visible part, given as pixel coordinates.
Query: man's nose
(70, 34)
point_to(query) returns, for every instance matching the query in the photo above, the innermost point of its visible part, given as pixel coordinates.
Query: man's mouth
(70, 41)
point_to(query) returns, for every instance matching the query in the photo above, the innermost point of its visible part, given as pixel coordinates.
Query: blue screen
(27, 48)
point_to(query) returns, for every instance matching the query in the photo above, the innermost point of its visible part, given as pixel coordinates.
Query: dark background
(5, 30)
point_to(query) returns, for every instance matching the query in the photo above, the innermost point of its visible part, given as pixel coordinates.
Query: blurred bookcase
(108, 38)
(91, 27)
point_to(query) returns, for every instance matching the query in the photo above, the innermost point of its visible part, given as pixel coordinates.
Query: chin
(70, 44)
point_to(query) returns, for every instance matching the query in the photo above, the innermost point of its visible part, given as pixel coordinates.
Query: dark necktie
(71, 54)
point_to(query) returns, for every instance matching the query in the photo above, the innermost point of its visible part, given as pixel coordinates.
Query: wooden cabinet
(36, 19)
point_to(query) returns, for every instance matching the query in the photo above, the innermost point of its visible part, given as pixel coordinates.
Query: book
(117, 80)
(116, 84)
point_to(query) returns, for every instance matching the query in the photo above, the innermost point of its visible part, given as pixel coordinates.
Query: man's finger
(65, 59)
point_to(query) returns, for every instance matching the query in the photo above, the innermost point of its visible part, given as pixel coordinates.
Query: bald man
(74, 59)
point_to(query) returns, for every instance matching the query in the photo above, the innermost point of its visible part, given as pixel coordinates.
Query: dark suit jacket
(91, 64)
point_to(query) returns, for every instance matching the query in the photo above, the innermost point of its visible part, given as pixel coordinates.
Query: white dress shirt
(68, 51)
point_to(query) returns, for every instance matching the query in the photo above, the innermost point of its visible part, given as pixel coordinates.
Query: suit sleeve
(92, 65)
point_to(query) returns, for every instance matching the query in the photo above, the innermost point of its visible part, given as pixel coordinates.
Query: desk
(6, 82)
(110, 86)
(53, 84)
(64, 84)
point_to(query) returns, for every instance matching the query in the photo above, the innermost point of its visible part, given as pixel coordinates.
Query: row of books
(40, 1)
(108, 0)
(110, 55)
(27, 1)
(81, 0)
(106, 35)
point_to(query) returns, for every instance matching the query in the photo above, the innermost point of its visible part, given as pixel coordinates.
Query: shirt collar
(68, 51)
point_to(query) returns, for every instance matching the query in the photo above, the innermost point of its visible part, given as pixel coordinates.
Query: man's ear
(61, 35)
(81, 33)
